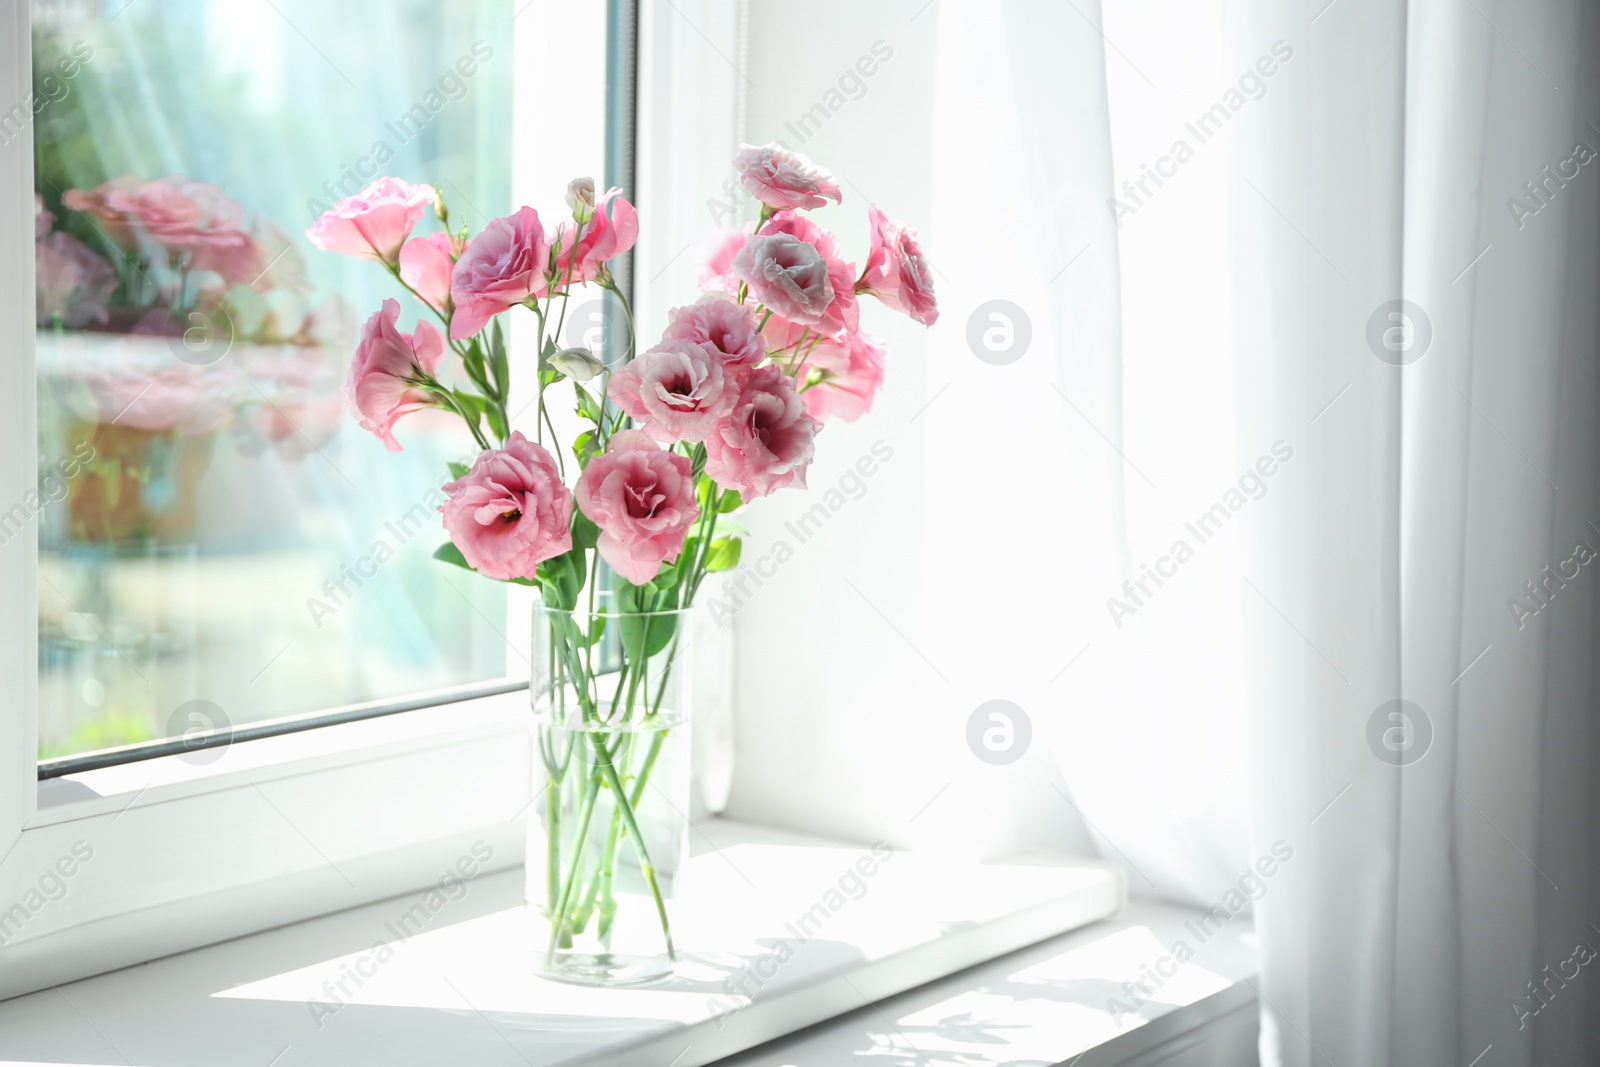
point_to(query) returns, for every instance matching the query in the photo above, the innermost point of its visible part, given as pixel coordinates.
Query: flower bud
(578, 364)
(580, 198)
(439, 209)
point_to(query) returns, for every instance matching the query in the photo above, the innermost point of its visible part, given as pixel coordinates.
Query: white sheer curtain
(1429, 894)
(1204, 212)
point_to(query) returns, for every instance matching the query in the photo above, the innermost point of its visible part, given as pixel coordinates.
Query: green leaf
(588, 406)
(597, 627)
(472, 361)
(449, 553)
(561, 579)
(667, 576)
(458, 470)
(585, 448)
(497, 421)
(724, 554)
(730, 501)
(497, 360)
(584, 532)
(644, 635)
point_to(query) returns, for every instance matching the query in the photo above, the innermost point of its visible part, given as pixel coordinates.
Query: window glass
(218, 541)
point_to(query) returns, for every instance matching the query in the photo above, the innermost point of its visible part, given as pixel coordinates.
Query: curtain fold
(1438, 885)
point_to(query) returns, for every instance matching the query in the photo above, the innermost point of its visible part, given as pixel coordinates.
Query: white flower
(578, 364)
(580, 198)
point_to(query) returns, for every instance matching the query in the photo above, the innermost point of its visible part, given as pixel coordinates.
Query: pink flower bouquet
(725, 408)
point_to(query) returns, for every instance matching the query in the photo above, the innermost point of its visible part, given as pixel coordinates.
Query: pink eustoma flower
(841, 314)
(642, 498)
(852, 371)
(786, 274)
(426, 265)
(766, 442)
(897, 272)
(728, 327)
(377, 390)
(510, 512)
(677, 390)
(612, 231)
(782, 179)
(717, 274)
(506, 265)
(375, 222)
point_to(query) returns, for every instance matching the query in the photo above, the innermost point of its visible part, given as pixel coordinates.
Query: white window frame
(181, 854)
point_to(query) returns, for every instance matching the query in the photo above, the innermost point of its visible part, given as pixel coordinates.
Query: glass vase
(608, 832)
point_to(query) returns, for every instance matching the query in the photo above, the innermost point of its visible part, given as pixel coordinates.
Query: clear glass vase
(608, 830)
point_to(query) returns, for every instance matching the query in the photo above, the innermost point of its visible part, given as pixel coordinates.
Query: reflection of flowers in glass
(190, 224)
(73, 284)
(191, 256)
(293, 423)
(108, 220)
(132, 381)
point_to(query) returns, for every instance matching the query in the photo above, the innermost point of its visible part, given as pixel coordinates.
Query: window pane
(212, 527)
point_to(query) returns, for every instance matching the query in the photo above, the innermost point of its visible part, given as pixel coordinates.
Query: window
(218, 543)
(195, 543)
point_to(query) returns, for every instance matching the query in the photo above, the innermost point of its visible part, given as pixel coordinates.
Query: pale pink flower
(293, 425)
(642, 498)
(851, 372)
(179, 218)
(716, 320)
(766, 442)
(510, 512)
(676, 390)
(377, 390)
(375, 222)
(897, 272)
(611, 231)
(71, 281)
(133, 381)
(842, 314)
(42, 219)
(426, 265)
(717, 275)
(110, 221)
(278, 263)
(507, 264)
(780, 178)
(181, 214)
(787, 275)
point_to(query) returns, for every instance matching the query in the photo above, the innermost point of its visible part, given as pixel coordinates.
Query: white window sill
(461, 990)
(1048, 1005)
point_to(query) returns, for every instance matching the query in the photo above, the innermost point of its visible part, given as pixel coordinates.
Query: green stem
(558, 920)
(552, 802)
(609, 772)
